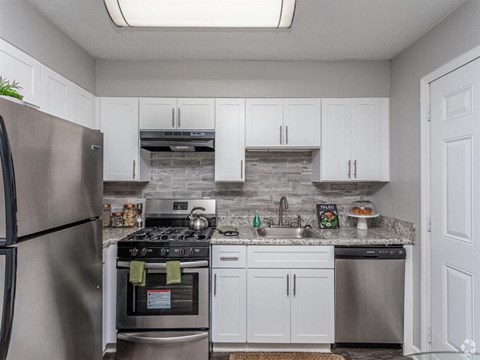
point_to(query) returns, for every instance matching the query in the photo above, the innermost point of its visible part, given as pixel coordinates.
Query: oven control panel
(167, 252)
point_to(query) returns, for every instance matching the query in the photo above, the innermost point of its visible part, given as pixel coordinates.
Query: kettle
(197, 222)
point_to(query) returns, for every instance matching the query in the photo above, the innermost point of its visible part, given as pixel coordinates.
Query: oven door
(160, 306)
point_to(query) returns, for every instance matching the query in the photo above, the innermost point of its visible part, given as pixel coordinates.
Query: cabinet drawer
(229, 256)
(291, 257)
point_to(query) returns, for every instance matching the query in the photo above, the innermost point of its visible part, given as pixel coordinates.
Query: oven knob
(163, 252)
(143, 252)
(182, 252)
(192, 251)
(134, 252)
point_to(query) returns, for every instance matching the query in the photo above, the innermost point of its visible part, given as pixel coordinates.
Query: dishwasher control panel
(353, 252)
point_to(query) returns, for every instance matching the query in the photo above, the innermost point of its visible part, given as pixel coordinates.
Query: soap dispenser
(256, 221)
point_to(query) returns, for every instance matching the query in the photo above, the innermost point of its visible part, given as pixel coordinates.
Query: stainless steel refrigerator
(51, 188)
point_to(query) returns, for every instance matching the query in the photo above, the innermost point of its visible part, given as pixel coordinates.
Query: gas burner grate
(170, 234)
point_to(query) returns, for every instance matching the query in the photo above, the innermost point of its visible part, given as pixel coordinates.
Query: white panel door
(119, 123)
(264, 123)
(268, 305)
(158, 113)
(230, 140)
(55, 93)
(18, 66)
(81, 106)
(455, 207)
(229, 305)
(366, 139)
(196, 114)
(302, 122)
(336, 163)
(312, 306)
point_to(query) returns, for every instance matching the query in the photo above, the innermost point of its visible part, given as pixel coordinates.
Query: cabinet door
(81, 106)
(312, 306)
(119, 123)
(229, 305)
(302, 122)
(196, 114)
(264, 123)
(230, 140)
(18, 66)
(268, 305)
(336, 163)
(369, 121)
(55, 93)
(158, 113)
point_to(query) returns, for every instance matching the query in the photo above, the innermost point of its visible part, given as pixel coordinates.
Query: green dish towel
(138, 274)
(174, 273)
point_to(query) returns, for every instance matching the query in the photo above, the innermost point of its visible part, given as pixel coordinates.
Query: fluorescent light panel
(202, 13)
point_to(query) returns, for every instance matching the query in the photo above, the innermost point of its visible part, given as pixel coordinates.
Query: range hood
(166, 141)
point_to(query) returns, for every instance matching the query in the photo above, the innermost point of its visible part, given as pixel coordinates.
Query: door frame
(426, 241)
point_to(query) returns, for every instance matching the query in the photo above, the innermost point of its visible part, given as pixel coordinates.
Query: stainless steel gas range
(159, 320)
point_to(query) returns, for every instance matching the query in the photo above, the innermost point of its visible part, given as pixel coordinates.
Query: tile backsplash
(269, 176)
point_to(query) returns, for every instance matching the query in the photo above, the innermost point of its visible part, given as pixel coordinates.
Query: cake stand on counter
(362, 210)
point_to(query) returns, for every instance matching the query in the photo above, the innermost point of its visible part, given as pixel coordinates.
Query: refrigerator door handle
(8, 299)
(9, 187)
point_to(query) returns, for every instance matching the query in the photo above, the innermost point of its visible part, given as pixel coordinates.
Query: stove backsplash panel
(269, 176)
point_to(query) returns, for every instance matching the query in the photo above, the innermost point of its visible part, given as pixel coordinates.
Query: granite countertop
(344, 236)
(113, 235)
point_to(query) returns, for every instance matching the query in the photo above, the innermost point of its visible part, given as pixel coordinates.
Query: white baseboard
(231, 347)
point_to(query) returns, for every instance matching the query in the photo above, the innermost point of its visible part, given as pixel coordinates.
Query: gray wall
(268, 176)
(243, 78)
(400, 199)
(24, 27)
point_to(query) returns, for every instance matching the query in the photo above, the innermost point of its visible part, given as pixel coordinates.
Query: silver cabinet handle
(179, 118)
(183, 265)
(215, 285)
(173, 118)
(281, 135)
(143, 338)
(134, 166)
(228, 258)
(286, 134)
(349, 169)
(355, 169)
(294, 284)
(241, 169)
(288, 285)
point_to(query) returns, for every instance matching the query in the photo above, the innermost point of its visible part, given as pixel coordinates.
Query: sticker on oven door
(159, 299)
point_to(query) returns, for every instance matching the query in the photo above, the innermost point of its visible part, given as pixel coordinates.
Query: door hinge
(429, 335)
(429, 224)
(429, 113)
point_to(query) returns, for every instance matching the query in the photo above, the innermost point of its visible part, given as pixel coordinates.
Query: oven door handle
(130, 337)
(183, 265)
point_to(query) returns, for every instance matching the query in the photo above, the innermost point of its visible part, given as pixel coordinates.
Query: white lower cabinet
(273, 295)
(229, 303)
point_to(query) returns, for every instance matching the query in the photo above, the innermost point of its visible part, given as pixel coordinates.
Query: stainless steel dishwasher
(369, 295)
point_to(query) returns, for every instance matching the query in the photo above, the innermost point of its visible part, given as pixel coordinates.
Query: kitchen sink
(287, 233)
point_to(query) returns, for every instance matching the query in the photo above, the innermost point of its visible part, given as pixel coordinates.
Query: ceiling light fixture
(202, 13)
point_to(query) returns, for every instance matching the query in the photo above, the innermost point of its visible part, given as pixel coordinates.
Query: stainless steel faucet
(283, 205)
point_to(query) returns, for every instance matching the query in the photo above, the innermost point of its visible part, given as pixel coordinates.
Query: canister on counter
(129, 215)
(117, 219)
(107, 215)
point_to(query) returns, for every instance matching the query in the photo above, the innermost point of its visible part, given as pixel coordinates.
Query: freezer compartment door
(8, 263)
(175, 345)
(58, 302)
(58, 169)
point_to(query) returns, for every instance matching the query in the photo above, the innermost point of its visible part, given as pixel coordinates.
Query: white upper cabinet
(55, 93)
(355, 141)
(123, 160)
(264, 123)
(81, 106)
(230, 140)
(302, 119)
(158, 113)
(181, 114)
(196, 114)
(18, 66)
(283, 123)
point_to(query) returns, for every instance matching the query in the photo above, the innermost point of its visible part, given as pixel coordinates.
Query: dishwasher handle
(371, 253)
